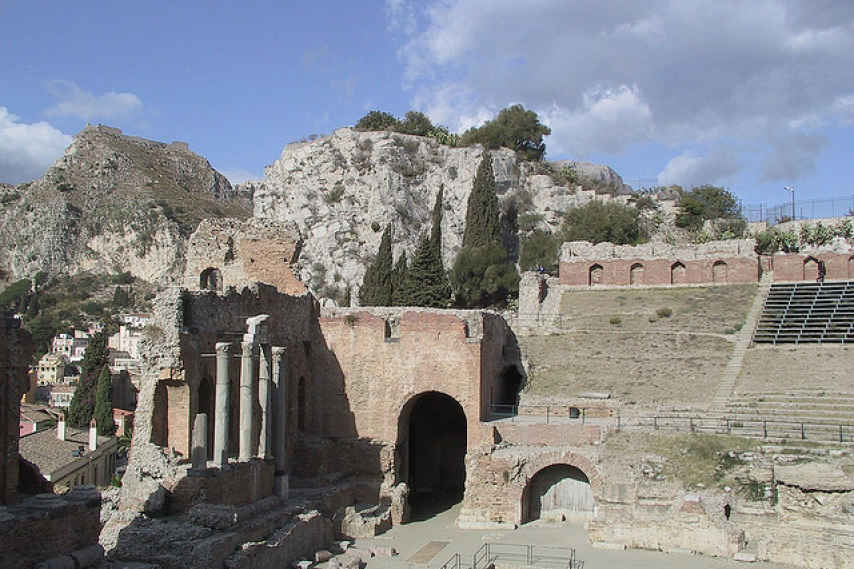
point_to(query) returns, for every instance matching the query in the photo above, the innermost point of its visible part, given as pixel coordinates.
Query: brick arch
(517, 490)
(810, 268)
(677, 273)
(211, 279)
(594, 274)
(851, 267)
(720, 271)
(636, 274)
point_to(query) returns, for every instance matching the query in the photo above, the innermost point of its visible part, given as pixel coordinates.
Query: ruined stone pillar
(247, 397)
(280, 422)
(264, 448)
(222, 410)
(199, 454)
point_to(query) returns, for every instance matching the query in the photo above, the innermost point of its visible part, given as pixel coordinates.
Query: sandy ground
(781, 368)
(410, 538)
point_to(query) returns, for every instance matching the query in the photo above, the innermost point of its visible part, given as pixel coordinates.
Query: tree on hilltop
(377, 120)
(515, 128)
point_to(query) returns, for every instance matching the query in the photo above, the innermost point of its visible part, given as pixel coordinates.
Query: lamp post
(791, 189)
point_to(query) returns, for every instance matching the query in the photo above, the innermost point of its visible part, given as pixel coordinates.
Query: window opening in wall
(595, 275)
(720, 272)
(636, 274)
(677, 273)
(810, 269)
(211, 279)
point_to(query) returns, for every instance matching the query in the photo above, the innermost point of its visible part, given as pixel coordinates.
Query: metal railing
(529, 555)
(759, 428)
(805, 209)
(557, 414)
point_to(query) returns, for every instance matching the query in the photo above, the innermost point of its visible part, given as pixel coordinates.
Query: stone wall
(583, 264)
(16, 349)
(227, 252)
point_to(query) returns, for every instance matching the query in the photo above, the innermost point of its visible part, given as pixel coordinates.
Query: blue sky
(753, 95)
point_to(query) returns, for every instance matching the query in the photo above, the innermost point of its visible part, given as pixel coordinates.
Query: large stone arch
(558, 492)
(519, 491)
(512, 381)
(431, 449)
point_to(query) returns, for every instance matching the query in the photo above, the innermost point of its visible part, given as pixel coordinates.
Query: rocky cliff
(342, 190)
(112, 203)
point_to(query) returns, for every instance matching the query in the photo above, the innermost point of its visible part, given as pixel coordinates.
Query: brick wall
(796, 267)
(584, 264)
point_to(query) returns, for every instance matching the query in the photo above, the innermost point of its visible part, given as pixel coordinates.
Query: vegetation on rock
(598, 222)
(483, 275)
(515, 128)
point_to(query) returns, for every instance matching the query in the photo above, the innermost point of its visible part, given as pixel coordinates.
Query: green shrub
(664, 312)
(598, 222)
(615, 320)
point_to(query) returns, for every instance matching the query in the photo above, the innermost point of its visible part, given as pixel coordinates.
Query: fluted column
(280, 422)
(264, 447)
(246, 399)
(223, 410)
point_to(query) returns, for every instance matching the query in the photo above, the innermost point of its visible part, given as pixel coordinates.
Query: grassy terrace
(660, 346)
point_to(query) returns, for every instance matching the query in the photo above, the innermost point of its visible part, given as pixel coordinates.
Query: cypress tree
(482, 214)
(104, 404)
(426, 282)
(377, 284)
(83, 402)
(436, 218)
(399, 277)
(483, 274)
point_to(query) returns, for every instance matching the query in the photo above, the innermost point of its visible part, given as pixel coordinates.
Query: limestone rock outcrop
(343, 189)
(112, 203)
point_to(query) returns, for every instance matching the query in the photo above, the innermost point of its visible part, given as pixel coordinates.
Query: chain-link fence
(804, 209)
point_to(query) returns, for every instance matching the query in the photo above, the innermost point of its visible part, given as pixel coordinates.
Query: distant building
(73, 346)
(51, 368)
(35, 418)
(69, 457)
(58, 395)
(124, 346)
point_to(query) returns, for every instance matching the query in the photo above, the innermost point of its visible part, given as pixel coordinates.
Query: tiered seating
(799, 313)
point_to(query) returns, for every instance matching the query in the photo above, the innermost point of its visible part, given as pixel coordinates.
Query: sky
(750, 95)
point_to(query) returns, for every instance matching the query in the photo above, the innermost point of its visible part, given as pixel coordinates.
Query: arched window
(211, 279)
(677, 273)
(719, 272)
(636, 274)
(595, 275)
(810, 269)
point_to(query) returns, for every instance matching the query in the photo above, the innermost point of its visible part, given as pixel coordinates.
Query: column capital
(279, 351)
(247, 348)
(223, 348)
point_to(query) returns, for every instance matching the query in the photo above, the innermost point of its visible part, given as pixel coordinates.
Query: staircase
(800, 313)
(742, 342)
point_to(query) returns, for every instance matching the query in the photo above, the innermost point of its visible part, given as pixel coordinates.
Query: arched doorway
(558, 492)
(719, 272)
(636, 274)
(851, 267)
(677, 273)
(509, 388)
(595, 275)
(810, 269)
(206, 405)
(432, 444)
(211, 279)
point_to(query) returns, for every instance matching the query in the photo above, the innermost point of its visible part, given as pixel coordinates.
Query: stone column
(246, 399)
(280, 422)
(200, 441)
(223, 408)
(264, 448)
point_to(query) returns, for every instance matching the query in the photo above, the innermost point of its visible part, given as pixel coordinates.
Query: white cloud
(238, 176)
(27, 150)
(77, 103)
(608, 122)
(606, 75)
(791, 156)
(688, 170)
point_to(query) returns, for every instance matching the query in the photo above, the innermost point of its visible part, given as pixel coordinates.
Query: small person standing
(822, 272)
